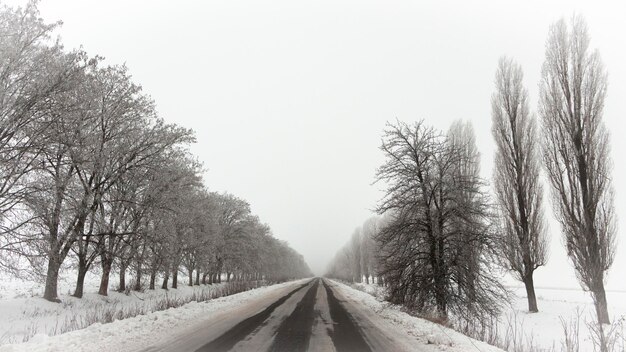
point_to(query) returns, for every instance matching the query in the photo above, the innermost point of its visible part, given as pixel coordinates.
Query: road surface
(310, 316)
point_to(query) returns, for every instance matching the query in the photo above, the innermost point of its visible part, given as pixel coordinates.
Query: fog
(289, 98)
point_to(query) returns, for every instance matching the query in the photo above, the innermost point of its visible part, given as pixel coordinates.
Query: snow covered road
(305, 315)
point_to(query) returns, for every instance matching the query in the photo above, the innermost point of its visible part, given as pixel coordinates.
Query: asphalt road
(313, 316)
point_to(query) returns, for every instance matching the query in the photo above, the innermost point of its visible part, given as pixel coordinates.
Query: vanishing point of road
(304, 316)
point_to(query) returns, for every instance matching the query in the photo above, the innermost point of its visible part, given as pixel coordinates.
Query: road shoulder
(387, 328)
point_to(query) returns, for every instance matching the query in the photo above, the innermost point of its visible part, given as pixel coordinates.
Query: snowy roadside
(25, 314)
(543, 331)
(433, 337)
(137, 333)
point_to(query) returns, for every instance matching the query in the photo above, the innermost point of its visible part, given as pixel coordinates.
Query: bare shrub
(607, 338)
(571, 333)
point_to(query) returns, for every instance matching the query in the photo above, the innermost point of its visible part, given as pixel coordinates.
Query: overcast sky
(288, 98)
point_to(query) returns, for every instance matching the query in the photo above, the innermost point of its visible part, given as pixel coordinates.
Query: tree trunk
(152, 280)
(530, 293)
(440, 301)
(52, 278)
(165, 280)
(139, 270)
(197, 278)
(138, 278)
(599, 299)
(175, 278)
(122, 287)
(204, 276)
(190, 277)
(106, 273)
(80, 280)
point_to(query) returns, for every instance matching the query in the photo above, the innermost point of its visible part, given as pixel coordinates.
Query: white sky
(289, 98)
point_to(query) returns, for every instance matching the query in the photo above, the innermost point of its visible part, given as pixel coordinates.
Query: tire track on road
(294, 333)
(346, 335)
(238, 332)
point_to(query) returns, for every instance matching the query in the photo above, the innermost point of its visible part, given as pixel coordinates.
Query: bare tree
(576, 154)
(435, 247)
(516, 178)
(470, 226)
(355, 249)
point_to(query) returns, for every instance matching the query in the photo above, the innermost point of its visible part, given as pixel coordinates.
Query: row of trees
(575, 154)
(91, 175)
(442, 236)
(357, 260)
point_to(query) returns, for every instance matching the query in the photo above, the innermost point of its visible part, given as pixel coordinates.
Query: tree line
(445, 232)
(91, 177)
(357, 260)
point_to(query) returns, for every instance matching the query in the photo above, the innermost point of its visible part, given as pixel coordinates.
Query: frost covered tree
(356, 253)
(117, 135)
(54, 201)
(576, 154)
(516, 178)
(232, 216)
(90, 175)
(358, 258)
(368, 246)
(34, 70)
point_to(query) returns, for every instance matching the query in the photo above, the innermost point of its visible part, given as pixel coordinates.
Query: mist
(289, 102)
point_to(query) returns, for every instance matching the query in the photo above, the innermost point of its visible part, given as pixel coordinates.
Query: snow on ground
(543, 331)
(557, 305)
(434, 337)
(136, 333)
(25, 315)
